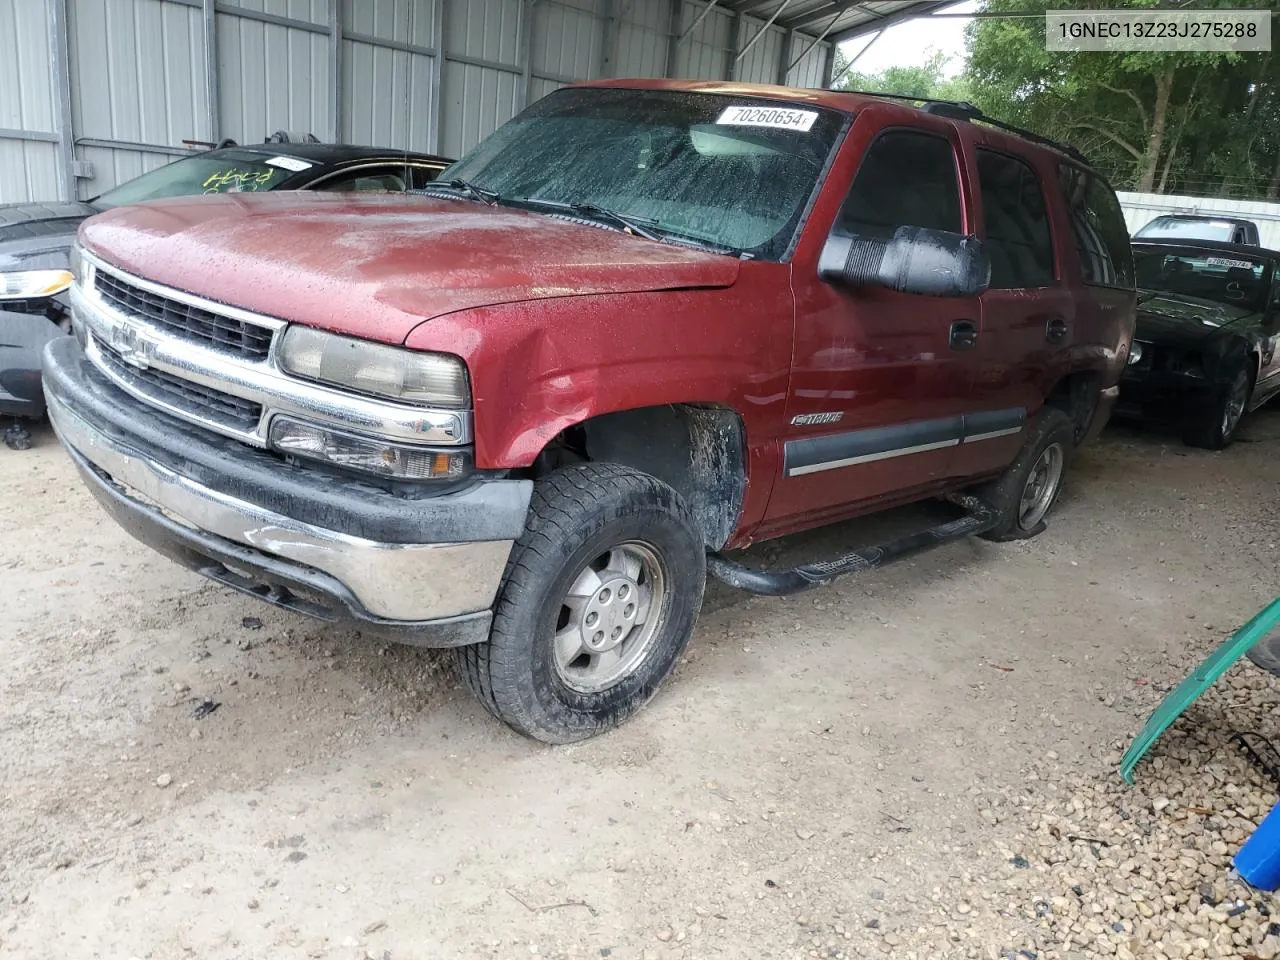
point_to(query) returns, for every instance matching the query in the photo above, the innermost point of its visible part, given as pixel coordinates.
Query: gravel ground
(920, 763)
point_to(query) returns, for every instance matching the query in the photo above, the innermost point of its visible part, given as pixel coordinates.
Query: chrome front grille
(184, 396)
(211, 364)
(184, 320)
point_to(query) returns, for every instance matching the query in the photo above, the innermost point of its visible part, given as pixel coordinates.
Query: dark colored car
(1200, 227)
(35, 238)
(1204, 353)
(643, 322)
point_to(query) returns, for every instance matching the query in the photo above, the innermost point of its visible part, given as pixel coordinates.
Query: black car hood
(1168, 317)
(34, 235)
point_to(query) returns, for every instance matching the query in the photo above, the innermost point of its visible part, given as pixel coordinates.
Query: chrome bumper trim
(144, 345)
(410, 582)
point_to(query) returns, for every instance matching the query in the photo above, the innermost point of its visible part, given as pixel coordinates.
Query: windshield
(220, 171)
(719, 170)
(1169, 229)
(1221, 277)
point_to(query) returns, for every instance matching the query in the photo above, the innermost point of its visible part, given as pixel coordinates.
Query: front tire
(1029, 488)
(1217, 426)
(598, 602)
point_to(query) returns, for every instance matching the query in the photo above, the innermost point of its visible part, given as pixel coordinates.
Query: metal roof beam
(763, 30)
(916, 11)
(812, 16)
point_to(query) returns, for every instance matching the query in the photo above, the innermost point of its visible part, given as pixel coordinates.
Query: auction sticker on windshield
(289, 163)
(1224, 262)
(779, 117)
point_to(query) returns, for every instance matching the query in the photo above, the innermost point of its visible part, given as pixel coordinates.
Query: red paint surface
(560, 322)
(376, 266)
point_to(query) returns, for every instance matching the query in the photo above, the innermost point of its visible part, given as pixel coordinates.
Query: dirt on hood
(376, 266)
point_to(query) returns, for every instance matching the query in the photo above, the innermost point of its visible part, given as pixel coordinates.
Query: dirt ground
(845, 773)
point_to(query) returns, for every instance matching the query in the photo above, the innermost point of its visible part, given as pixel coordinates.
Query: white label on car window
(780, 117)
(290, 163)
(1222, 262)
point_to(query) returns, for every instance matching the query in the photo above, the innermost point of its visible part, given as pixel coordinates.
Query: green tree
(926, 81)
(1155, 122)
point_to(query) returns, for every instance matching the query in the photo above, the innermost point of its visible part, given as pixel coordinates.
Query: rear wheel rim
(609, 617)
(1233, 409)
(1041, 487)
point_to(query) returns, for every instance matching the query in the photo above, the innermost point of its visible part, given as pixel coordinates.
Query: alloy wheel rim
(609, 617)
(1041, 487)
(1236, 400)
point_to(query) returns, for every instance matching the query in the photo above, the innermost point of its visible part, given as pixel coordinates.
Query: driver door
(880, 380)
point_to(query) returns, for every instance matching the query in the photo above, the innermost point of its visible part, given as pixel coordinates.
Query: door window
(365, 180)
(907, 179)
(423, 175)
(1017, 222)
(1097, 224)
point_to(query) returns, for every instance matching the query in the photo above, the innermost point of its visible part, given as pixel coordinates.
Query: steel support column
(528, 10)
(335, 66)
(609, 39)
(212, 85)
(673, 37)
(829, 66)
(62, 121)
(435, 103)
(784, 57)
(736, 31)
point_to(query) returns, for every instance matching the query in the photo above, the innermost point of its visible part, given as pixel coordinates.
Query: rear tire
(1217, 426)
(598, 602)
(1029, 488)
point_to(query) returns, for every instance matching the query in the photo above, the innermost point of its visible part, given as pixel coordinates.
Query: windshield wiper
(467, 187)
(637, 225)
(1149, 295)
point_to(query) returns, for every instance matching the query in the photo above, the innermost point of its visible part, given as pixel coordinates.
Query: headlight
(429, 379)
(33, 284)
(1135, 352)
(299, 439)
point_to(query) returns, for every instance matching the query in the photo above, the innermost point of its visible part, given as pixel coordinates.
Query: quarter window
(907, 179)
(1017, 222)
(1097, 224)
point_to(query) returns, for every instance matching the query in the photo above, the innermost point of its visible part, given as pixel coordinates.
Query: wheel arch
(697, 449)
(1076, 395)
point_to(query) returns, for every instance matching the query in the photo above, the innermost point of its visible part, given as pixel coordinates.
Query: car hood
(1167, 317)
(34, 235)
(377, 266)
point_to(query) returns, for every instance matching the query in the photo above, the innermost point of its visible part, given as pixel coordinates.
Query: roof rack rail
(963, 110)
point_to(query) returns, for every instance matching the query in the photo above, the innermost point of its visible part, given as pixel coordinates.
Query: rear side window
(1097, 224)
(907, 179)
(1017, 222)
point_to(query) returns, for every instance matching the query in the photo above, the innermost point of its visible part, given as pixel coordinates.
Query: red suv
(642, 324)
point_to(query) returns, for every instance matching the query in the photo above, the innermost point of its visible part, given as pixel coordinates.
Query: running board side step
(979, 518)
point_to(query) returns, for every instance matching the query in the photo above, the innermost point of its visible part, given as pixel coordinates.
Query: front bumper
(22, 339)
(1162, 395)
(427, 568)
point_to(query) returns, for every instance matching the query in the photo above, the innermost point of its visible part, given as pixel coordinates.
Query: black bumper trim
(282, 583)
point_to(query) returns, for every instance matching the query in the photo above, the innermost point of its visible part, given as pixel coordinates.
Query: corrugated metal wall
(1141, 208)
(118, 85)
(28, 156)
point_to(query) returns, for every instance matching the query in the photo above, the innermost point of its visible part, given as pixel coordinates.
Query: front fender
(540, 367)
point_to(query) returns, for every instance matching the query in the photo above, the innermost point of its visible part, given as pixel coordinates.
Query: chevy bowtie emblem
(132, 345)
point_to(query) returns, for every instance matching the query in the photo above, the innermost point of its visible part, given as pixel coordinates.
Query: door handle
(1055, 331)
(964, 335)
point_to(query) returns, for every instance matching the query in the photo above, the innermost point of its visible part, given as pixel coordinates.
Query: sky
(908, 44)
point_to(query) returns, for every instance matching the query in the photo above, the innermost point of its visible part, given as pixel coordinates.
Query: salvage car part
(1197, 682)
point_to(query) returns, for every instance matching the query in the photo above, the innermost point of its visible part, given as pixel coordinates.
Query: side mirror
(932, 263)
